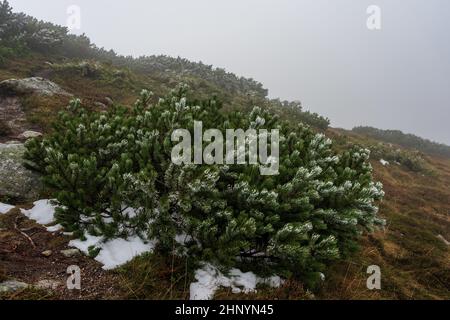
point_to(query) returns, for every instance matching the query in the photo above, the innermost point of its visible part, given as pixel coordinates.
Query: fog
(316, 51)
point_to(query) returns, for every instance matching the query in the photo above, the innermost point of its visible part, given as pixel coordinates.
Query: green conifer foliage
(113, 176)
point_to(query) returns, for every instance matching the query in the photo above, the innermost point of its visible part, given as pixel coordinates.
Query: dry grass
(153, 277)
(415, 263)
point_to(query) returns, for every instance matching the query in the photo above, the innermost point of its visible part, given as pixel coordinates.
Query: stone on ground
(12, 285)
(16, 181)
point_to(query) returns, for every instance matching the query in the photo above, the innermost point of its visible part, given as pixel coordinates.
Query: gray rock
(36, 85)
(16, 181)
(69, 253)
(48, 285)
(12, 285)
(30, 134)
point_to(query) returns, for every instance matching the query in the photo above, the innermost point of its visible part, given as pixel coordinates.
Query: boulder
(16, 181)
(32, 85)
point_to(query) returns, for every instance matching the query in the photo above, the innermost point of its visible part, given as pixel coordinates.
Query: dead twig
(23, 233)
(28, 229)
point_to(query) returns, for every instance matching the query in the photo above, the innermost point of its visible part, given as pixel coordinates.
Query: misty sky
(316, 51)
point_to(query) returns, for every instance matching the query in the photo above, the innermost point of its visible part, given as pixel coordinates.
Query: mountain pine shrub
(411, 159)
(113, 176)
(405, 140)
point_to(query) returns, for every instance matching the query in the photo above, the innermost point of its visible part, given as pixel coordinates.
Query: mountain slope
(414, 259)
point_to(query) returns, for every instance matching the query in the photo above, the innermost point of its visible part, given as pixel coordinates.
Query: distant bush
(293, 111)
(18, 30)
(84, 68)
(405, 140)
(413, 160)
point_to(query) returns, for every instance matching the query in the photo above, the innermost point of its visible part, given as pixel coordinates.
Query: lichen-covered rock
(16, 181)
(32, 85)
(12, 285)
(30, 134)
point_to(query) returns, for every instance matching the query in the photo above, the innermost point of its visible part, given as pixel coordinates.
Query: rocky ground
(17, 183)
(34, 262)
(14, 125)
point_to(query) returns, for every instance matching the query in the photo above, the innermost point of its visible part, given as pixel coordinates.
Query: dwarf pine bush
(113, 176)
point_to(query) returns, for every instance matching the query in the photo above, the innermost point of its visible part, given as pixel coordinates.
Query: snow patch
(55, 228)
(114, 252)
(43, 212)
(209, 279)
(5, 208)
(384, 162)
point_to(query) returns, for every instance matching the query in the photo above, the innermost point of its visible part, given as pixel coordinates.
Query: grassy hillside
(413, 259)
(29, 47)
(405, 140)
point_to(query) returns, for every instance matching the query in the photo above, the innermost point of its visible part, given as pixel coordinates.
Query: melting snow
(43, 212)
(114, 252)
(117, 252)
(209, 279)
(5, 208)
(55, 228)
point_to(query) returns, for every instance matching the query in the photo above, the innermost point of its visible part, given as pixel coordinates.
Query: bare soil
(22, 260)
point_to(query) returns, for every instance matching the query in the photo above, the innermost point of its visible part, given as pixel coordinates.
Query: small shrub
(293, 111)
(83, 68)
(113, 176)
(405, 140)
(413, 160)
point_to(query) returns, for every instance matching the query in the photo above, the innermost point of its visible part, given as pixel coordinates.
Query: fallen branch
(28, 229)
(23, 233)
